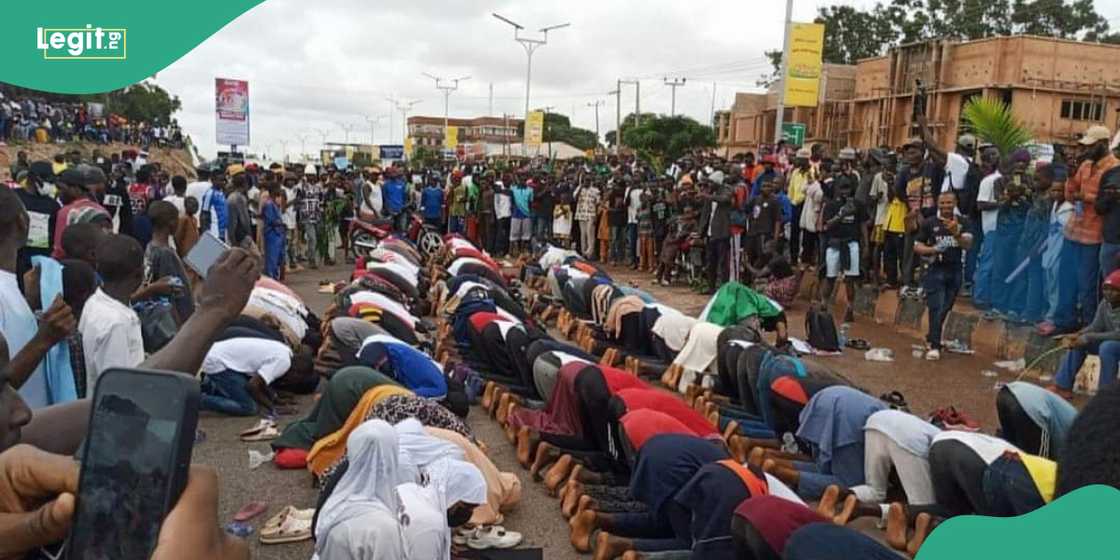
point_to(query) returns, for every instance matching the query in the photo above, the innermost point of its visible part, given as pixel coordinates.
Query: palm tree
(993, 122)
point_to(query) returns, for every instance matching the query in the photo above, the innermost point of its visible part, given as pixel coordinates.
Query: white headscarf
(426, 534)
(418, 449)
(369, 484)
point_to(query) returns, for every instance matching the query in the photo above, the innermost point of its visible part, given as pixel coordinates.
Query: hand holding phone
(205, 253)
(135, 462)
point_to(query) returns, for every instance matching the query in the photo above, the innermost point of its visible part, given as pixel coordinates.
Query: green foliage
(627, 122)
(991, 120)
(661, 138)
(140, 102)
(424, 157)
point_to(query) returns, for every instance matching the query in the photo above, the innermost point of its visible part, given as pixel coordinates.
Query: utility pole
(347, 128)
(713, 114)
(302, 137)
(781, 114)
(323, 133)
(617, 93)
(674, 84)
(392, 105)
(530, 45)
(404, 107)
(596, 105)
(446, 88)
(284, 146)
(490, 113)
(373, 126)
(637, 98)
(505, 151)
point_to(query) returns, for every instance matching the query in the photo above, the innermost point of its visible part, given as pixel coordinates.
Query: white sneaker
(494, 537)
(933, 355)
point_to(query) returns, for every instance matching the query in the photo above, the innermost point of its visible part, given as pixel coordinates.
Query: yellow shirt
(797, 182)
(58, 168)
(896, 217)
(1044, 473)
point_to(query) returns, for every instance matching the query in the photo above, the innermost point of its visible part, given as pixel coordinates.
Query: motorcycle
(365, 234)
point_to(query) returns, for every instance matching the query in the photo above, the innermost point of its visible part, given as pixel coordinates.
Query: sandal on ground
(268, 434)
(249, 511)
(858, 344)
(895, 400)
(463, 534)
(494, 537)
(292, 529)
(289, 511)
(258, 428)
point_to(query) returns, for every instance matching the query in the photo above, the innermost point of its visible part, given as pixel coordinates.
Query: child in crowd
(110, 329)
(562, 221)
(186, 230)
(777, 272)
(645, 235)
(894, 235)
(162, 264)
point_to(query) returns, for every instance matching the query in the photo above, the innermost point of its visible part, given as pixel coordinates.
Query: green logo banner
(86, 46)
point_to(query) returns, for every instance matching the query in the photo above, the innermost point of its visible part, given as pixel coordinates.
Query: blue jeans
(1109, 252)
(632, 243)
(1060, 283)
(618, 243)
(941, 285)
(227, 392)
(1078, 301)
(649, 532)
(982, 278)
(542, 228)
(845, 470)
(749, 425)
(1109, 353)
(1009, 489)
(971, 255)
(455, 225)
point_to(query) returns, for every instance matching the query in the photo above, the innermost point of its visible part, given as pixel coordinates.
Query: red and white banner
(231, 108)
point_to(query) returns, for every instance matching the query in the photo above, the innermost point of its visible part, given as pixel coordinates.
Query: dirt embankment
(176, 162)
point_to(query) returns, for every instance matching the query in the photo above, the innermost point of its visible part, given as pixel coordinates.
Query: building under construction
(1056, 87)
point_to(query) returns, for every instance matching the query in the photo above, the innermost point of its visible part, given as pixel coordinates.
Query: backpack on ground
(821, 330)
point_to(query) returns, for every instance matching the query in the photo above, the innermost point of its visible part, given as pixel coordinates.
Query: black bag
(821, 330)
(157, 324)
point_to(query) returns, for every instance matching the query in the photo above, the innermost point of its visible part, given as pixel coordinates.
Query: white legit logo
(88, 43)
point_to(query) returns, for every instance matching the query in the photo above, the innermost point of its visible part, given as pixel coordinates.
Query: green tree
(661, 138)
(558, 128)
(139, 102)
(627, 123)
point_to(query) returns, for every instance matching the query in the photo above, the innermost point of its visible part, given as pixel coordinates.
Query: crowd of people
(93, 276)
(25, 119)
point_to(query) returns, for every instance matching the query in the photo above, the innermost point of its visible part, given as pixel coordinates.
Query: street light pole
(617, 93)
(404, 107)
(674, 84)
(596, 105)
(781, 114)
(373, 126)
(446, 88)
(531, 45)
(346, 129)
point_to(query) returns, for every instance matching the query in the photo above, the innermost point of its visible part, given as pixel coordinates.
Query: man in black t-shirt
(764, 219)
(845, 230)
(939, 242)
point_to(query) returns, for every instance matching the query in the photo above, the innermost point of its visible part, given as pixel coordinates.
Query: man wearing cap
(1082, 250)
(37, 193)
(768, 174)
(78, 203)
(799, 179)
(919, 184)
(715, 224)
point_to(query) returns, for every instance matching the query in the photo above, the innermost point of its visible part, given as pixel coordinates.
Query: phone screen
(134, 463)
(205, 253)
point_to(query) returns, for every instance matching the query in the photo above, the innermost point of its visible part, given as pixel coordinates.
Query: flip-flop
(238, 529)
(292, 529)
(289, 511)
(858, 344)
(249, 511)
(259, 427)
(268, 434)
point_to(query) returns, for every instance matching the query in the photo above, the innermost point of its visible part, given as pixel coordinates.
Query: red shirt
(480, 319)
(644, 423)
(138, 195)
(619, 379)
(636, 399)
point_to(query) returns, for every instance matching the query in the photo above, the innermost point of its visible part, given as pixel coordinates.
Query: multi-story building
(750, 122)
(428, 131)
(1056, 87)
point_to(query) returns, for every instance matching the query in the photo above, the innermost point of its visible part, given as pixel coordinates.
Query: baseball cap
(967, 140)
(235, 169)
(847, 154)
(914, 141)
(804, 153)
(72, 176)
(1095, 134)
(309, 169)
(1113, 279)
(42, 170)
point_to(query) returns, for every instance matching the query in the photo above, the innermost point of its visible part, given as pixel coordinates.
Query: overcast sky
(314, 66)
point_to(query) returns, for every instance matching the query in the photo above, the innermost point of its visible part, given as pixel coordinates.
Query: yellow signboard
(408, 146)
(803, 73)
(452, 140)
(534, 129)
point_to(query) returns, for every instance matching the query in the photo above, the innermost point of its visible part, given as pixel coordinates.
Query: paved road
(955, 380)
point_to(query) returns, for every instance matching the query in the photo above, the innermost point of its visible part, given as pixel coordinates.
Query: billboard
(452, 139)
(391, 151)
(803, 73)
(231, 108)
(534, 129)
